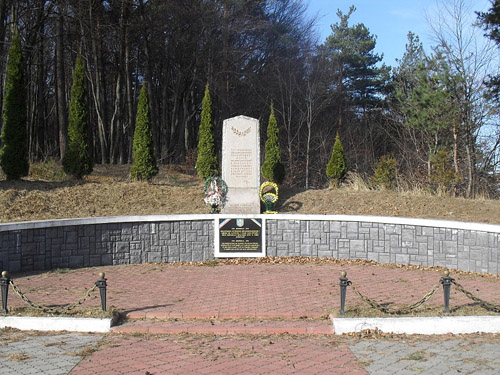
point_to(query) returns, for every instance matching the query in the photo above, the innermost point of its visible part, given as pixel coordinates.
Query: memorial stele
(241, 165)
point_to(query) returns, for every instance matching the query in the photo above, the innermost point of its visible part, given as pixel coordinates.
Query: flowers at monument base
(215, 190)
(268, 197)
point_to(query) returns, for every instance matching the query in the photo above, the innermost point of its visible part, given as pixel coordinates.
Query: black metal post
(446, 280)
(4, 283)
(344, 283)
(101, 284)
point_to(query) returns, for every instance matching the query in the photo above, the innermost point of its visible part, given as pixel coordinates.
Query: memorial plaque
(241, 165)
(239, 237)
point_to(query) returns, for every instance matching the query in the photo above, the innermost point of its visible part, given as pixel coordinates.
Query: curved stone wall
(44, 245)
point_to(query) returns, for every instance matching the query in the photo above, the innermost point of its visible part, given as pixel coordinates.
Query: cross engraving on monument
(241, 165)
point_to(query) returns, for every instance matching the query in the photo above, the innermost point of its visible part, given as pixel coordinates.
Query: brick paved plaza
(245, 319)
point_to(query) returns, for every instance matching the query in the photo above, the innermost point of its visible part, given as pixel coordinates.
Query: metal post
(446, 280)
(4, 283)
(344, 283)
(101, 284)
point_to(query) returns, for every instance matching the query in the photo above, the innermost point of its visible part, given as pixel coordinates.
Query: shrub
(443, 177)
(14, 153)
(144, 166)
(336, 168)
(386, 173)
(77, 160)
(272, 169)
(206, 163)
(49, 170)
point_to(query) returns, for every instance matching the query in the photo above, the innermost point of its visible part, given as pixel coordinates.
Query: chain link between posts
(58, 309)
(401, 311)
(485, 305)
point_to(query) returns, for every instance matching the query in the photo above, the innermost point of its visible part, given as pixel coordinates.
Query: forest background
(434, 115)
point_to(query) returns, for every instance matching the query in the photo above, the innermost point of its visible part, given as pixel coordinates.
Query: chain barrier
(485, 305)
(58, 309)
(401, 311)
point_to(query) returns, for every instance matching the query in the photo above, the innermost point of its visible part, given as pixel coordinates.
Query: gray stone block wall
(108, 241)
(468, 250)
(89, 245)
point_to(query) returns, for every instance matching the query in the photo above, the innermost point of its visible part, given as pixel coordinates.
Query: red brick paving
(245, 291)
(225, 327)
(191, 304)
(221, 355)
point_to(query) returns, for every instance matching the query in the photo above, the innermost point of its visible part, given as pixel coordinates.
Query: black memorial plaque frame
(239, 237)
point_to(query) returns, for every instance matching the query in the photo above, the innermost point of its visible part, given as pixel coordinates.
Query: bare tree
(471, 58)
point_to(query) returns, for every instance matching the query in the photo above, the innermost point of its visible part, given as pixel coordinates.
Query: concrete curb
(402, 325)
(29, 323)
(419, 325)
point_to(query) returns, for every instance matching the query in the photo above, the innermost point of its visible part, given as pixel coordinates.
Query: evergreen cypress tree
(144, 166)
(14, 153)
(77, 161)
(206, 163)
(272, 169)
(337, 166)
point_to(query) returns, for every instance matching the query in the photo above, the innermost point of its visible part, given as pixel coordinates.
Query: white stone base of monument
(242, 201)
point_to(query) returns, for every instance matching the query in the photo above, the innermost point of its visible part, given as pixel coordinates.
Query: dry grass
(83, 312)
(345, 201)
(105, 193)
(109, 192)
(365, 310)
(18, 357)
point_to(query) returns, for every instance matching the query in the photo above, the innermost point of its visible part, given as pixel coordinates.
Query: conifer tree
(77, 161)
(14, 153)
(272, 169)
(337, 166)
(386, 173)
(206, 163)
(144, 166)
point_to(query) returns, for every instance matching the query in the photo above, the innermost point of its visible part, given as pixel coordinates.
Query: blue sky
(389, 20)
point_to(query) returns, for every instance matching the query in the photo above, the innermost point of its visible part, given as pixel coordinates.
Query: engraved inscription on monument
(239, 237)
(241, 162)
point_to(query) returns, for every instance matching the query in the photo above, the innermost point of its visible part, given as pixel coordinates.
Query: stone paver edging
(228, 327)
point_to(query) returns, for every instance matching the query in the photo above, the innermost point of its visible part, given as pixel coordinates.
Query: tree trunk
(309, 134)
(4, 5)
(41, 123)
(97, 83)
(62, 117)
(128, 120)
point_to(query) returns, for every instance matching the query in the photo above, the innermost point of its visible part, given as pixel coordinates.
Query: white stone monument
(241, 165)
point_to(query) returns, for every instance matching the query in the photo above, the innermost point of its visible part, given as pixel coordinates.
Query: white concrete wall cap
(480, 227)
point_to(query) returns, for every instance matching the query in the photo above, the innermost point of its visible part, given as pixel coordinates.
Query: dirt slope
(108, 192)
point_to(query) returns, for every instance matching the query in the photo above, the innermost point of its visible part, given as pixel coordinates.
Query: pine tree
(360, 76)
(337, 166)
(14, 153)
(77, 161)
(144, 166)
(490, 21)
(206, 164)
(272, 169)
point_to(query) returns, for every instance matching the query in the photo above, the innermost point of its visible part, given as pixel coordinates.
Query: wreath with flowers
(215, 189)
(267, 196)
